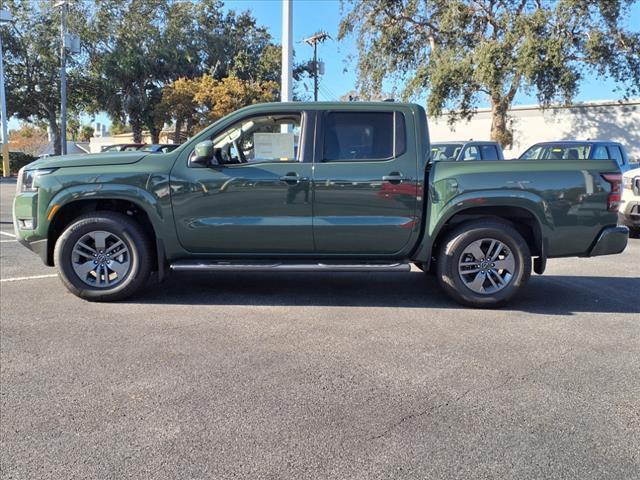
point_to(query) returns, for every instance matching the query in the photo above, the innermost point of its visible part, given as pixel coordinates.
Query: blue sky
(309, 16)
(340, 76)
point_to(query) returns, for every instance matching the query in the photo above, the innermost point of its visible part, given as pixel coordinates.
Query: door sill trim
(203, 265)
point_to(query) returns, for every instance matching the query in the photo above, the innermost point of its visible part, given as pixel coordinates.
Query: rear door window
(363, 136)
(557, 152)
(489, 152)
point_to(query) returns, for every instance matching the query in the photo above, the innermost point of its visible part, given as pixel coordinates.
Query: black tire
(131, 234)
(462, 237)
(634, 232)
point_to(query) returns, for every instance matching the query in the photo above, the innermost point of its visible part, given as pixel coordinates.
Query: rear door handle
(393, 177)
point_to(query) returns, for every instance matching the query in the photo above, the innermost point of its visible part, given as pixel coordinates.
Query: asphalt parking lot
(320, 376)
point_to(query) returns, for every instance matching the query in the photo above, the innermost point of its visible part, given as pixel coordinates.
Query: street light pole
(5, 17)
(63, 78)
(286, 87)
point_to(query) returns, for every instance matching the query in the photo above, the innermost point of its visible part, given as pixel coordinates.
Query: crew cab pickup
(464, 151)
(314, 187)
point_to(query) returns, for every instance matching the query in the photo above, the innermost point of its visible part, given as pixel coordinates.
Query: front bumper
(38, 247)
(611, 240)
(25, 209)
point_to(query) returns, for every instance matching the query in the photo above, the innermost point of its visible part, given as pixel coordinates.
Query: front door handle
(292, 178)
(393, 177)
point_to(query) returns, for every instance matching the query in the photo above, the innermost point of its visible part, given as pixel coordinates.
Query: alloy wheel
(101, 259)
(486, 266)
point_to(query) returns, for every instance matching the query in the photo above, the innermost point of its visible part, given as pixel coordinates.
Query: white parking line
(8, 241)
(33, 277)
(8, 234)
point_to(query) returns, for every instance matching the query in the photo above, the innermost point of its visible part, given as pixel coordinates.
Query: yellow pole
(3, 111)
(5, 160)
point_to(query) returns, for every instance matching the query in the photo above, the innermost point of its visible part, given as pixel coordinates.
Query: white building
(603, 120)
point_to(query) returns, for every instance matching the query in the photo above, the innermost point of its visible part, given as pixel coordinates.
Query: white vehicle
(629, 210)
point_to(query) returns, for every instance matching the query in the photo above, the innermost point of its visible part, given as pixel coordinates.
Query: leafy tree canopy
(147, 45)
(32, 64)
(131, 50)
(200, 101)
(461, 52)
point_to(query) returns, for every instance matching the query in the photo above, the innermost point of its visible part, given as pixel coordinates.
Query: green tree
(32, 64)
(144, 46)
(127, 61)
(463, 51)
(86, 133)
(73, 128)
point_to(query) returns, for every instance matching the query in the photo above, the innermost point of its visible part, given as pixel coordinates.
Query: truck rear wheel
(103, 256)
(483, 264)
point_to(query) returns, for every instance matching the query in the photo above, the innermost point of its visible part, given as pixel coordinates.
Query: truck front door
(365, 182)
(255, 197)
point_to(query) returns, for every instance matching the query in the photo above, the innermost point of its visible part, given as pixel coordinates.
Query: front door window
(265, 138)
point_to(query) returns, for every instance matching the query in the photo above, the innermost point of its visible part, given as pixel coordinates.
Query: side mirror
(202, 154)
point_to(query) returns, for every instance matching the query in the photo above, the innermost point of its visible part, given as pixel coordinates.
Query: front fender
(110, 191)
(154, 201)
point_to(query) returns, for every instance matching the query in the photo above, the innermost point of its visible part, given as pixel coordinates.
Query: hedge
(17, 160)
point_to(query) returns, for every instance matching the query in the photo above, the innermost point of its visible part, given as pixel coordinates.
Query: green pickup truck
(314, 187)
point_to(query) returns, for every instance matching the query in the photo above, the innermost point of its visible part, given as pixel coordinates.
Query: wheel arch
(525, 219)
(69, 205)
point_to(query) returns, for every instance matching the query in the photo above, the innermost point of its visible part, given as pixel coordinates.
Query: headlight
(27, 179)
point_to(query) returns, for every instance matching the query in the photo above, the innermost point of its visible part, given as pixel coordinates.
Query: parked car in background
(159, 147)
(462, 151)
(578, 150)
(629, 210)
(123, 147)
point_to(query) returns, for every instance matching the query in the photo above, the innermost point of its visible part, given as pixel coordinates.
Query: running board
(201, 265)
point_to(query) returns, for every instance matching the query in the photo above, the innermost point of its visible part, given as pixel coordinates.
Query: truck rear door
(365, 181)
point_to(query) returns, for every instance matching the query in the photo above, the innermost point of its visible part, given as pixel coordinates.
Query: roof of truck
(329, 105)
(465, 142)
(576, 142)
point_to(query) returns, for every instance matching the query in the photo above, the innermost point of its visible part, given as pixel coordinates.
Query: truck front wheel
(103, 256)
(483, 264)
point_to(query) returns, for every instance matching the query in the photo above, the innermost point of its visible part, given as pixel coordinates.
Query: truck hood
(88, 160)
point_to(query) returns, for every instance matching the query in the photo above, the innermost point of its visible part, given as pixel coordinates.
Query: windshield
(445, 151)
(557, 152)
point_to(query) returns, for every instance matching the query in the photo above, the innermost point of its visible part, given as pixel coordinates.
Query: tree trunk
(136, 128)
(500, 131)
(190, 126)
(55, 132)
(155, 135)
(176, 134)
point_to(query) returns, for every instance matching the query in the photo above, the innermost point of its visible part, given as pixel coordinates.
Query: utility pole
(63, 77)
(313, 40)
(5, 17)
(286, 86)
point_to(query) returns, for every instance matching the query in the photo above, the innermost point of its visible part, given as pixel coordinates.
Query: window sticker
(273, 145)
